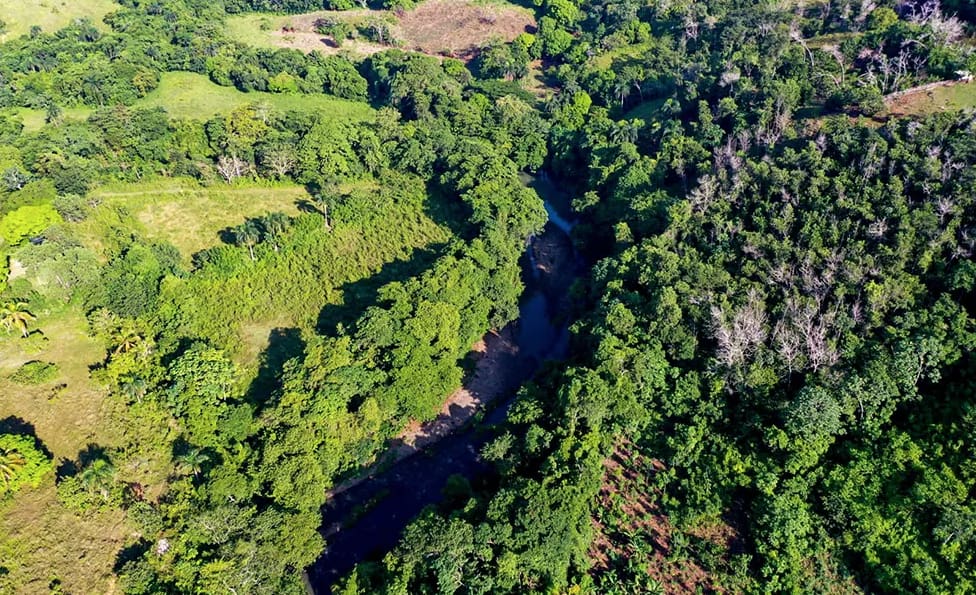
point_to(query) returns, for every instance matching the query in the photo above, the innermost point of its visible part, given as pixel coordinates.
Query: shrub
(35, 372)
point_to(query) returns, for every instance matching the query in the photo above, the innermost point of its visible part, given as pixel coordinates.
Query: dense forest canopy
(211, 321)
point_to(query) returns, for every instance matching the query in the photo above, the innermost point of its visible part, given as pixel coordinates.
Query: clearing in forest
(437, 27)
(50, 15)
(194, 96)
(184, 213)
(932, 99)
(190, 95)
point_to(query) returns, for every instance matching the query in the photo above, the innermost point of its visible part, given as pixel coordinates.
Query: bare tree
(280, 161)
(232, 167)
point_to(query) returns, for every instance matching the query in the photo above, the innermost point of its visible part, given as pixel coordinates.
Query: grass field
(190, 95)
(448, 27)
(605, 60)
(33, 119)
(33, 524)
(50, 15)
(947, 98)
(184, 213)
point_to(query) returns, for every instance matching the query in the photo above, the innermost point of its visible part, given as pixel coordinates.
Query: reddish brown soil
(458, 27)
(626, 477)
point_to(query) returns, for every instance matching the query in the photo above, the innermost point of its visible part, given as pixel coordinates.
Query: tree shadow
(357, 296)
(283, 344)
(18, 425)
(130, 553)
(86, 456)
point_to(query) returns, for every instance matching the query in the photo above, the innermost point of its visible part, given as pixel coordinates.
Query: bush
(35, 372)
(71, 207)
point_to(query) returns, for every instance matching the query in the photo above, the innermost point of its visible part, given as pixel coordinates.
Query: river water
(365, 521)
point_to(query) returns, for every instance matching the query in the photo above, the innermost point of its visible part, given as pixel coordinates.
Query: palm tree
(274, 225)
(247, 234)
(98, 476)
(126, 338)
(192, 461)
(622, 90)
(15, 314)
(11, 462)
(135, 388)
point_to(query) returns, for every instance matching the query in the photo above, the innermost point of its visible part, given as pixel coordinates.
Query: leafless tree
(740, 337)
(232, 167)
(704, 194)
(280, 161)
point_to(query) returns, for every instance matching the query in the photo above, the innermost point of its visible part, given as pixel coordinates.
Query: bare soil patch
(455, 28)
(459, 27)
(630, 524)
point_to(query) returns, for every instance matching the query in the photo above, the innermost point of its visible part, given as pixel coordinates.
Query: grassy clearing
(829, 39)
(194, 96)
(65, 420)
(33, 524)
(33, 119)
(50, 15)
(184, 213)
(190, 95)
(440, 27)
(33, 547)
(948, 98)
(605, 60)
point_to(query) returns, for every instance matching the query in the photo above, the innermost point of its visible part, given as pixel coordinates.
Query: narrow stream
(366, 521)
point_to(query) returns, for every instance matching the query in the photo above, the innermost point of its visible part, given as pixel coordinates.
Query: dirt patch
(458, 28)
(630, 527)
(437, 27)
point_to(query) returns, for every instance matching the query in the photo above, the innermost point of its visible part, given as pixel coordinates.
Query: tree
(11, 462)
(26, 222)
(14, 178)
(15, 315)
(98, 477)
(280, 160)
(323, 202)
(192, 461)
(247, 234)
(274, 225)
(21, 463)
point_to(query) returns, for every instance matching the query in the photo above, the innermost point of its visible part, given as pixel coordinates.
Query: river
(365, 520)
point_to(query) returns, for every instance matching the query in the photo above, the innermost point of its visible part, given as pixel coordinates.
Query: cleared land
(184, 213)
(439, 27)
(953, 96)
(50, 15)
(194, 96)
(190, 95)
(33, 119)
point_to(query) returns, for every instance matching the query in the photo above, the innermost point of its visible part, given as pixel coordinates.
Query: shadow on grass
(360, 295)
(283, 344)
